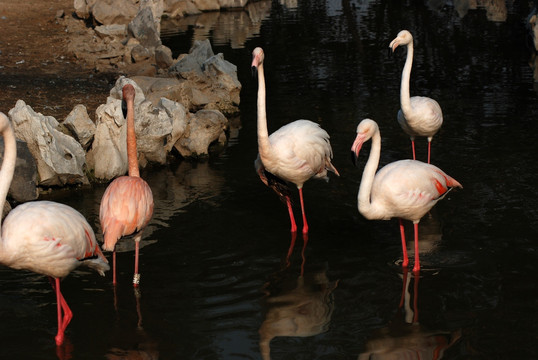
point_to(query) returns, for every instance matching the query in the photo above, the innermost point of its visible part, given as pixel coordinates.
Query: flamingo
(406, 189)
(294, 153)
(44, 236)
(127, 204)
(419, 115)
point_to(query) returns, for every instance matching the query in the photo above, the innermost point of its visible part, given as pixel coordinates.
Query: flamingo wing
(126, 208)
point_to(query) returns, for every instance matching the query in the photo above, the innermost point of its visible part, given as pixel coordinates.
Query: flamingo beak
(356, 147)
(124, 108)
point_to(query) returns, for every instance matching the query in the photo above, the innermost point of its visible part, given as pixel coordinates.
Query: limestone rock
(80, 125)
(204, 128)
(24, 184)
(60, 158)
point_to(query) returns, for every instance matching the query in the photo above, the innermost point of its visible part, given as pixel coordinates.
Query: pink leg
(416, 268)
(136, 277)
(61, 306)
(429, 150)
(114, 282)
(413, 146)
(404, 246)
(292, 218)
(305, 224)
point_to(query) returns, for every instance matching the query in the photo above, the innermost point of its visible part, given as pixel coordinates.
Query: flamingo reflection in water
(296, 306)
(405, 337)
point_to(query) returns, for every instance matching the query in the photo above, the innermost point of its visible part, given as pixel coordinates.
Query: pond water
(219, 280)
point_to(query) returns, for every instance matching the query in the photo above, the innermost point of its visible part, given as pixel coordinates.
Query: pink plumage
(45, 237)
(295, 153)
(406, 189)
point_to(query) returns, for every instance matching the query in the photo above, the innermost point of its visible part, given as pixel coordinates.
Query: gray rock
(142, 28)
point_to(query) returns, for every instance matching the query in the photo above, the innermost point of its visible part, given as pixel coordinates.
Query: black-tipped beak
(254, 70)
(124, 108)
(356, 148)
(391, 51)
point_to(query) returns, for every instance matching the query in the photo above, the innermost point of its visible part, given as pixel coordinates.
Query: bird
(418, 115)
(127, 203)
(45, 237)
(406, 189)
(294, 153)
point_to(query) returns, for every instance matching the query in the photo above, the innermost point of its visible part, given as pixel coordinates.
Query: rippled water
(219, 280)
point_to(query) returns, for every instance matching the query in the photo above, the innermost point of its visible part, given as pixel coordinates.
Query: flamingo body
(295, 153)
(44, 237)
(127, 204)
(418, 115)
(126, 208)
(300, 151)
(406, 189)
(51, 239)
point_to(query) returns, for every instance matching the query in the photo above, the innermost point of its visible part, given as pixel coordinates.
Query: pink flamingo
(406, 189)
(294, 153)
(419, 115)
(127, 204)
(45, 237)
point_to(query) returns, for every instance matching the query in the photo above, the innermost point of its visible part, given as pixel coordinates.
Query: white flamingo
(43, 236)
(294, 153)
(419, 115)
(406, 189)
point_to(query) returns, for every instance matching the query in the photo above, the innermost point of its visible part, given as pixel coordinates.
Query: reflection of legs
(416, 268)
(415, 298)
(305, 241)
(292, 245)
(136, 277)
(114, 267)
(305, 224)
(62, 307)
(137, 295)
(404, 246)
(292, 218)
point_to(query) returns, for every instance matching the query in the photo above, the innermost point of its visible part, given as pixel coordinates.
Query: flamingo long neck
(264, 146)
(132, 155)
(405, 97)
(365, 190)
(8, 164)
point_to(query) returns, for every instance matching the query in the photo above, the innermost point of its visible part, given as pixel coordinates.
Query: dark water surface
(216, 281)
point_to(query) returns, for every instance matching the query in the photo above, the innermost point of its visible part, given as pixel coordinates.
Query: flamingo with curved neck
(44, 236)
(406, 189)
(127, 204)
(419, 115)
(294, 153)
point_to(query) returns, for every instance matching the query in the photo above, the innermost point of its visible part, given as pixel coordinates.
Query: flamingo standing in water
(294, 153)
(127, 204)
(419, 115)
(406, 189)
(43, 236)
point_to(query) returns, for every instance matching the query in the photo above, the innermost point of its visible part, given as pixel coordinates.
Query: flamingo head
(128, 91)
(257, 58)
(365, 130)
(404, 38)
